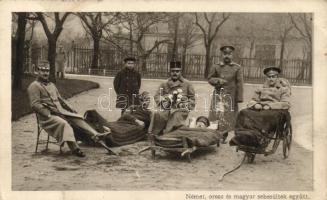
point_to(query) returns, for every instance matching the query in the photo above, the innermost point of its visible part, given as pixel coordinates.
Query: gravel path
(130, 171)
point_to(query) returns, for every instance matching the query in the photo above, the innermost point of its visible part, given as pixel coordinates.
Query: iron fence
(79, 61)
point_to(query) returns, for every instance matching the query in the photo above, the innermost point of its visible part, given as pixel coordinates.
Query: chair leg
(47, 146)
(37, 139)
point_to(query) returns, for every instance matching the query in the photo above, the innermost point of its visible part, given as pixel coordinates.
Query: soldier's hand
(222, 81)
(165, 104)
(139, 122)
(258, 106)
(266, 107)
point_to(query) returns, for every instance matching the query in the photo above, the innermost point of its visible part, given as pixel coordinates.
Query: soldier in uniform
(56, 116)
(227, 80)
(127, 84)
(175, 99)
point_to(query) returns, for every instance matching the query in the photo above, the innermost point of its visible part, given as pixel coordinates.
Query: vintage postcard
(163, 100)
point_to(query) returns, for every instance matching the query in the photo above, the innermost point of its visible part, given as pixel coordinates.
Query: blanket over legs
(198, 137)
(255, 127)
(123, 131)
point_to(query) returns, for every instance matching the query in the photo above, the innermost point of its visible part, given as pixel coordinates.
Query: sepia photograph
(135, 101)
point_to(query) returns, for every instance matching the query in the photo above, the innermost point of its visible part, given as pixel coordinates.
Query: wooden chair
(43, 141)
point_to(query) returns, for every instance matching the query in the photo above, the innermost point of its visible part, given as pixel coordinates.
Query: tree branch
(44, 24)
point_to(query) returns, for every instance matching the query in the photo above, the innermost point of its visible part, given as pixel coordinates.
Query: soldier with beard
(227, 80)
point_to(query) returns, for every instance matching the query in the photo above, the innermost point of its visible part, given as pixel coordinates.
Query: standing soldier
(227, 80)
(127, 84)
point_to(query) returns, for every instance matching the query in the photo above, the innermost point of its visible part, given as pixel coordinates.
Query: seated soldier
(55, 115)
(175, 98)
(131, 127)
(265, 113)
(274, 94)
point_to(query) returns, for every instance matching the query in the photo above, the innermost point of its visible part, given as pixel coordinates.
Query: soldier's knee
(61, 121)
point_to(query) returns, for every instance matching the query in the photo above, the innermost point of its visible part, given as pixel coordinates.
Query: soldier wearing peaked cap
(56, 116)
(227, 80)
(175, 99)
(127, 84)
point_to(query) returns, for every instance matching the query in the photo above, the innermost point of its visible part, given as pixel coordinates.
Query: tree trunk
(19, 59)
(96, 51)
(184, 61)
(281, 57)
(52, 58)
(131, 39)
(207, 61)
(175, 45)
(143, 63)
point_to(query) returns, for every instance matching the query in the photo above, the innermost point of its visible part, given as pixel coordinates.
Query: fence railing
(79, 61)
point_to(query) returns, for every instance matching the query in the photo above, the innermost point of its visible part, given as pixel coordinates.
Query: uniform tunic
(127, 84)
(45, 99)
(276, 96)
(230, 78)
(170, 119)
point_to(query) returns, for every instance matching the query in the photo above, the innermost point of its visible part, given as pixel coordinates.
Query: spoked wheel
(287, 141)
(250, 157)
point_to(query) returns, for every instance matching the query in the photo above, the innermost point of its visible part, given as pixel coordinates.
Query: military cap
(129, 59)
(175, 65)
(203, 119)
(272, 69)
(227, 49)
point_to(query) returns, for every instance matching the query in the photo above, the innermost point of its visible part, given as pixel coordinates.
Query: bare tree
(282, 28)
(209, 25)
(303, 24)
(188, 37)
(173, 26)
(137, 25)
(19, 43)
(52, 36)
(95, 24)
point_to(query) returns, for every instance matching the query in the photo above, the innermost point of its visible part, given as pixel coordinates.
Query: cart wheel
(250, 157)
(287, 141)
(153, 153)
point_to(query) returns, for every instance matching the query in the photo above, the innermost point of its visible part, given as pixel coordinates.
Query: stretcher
(180, 145)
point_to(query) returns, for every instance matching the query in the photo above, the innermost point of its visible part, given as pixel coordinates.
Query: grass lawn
(67, 88)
